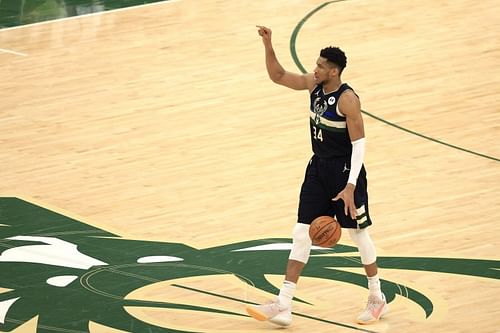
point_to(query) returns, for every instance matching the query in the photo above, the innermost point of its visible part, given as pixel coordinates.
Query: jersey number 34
(317, 133)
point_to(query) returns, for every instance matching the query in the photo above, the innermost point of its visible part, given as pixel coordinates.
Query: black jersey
(329, 134)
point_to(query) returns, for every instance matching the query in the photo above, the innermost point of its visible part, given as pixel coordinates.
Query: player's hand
(347, 195)
(265, 33)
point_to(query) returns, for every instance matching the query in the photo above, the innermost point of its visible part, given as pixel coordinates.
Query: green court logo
(69, 273)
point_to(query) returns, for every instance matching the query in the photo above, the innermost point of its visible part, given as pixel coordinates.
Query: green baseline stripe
(19, 13)
(303, 70)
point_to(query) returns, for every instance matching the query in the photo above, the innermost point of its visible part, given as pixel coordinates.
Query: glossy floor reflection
(21, 12)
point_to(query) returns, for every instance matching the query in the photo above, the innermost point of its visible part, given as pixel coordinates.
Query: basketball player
(335, 180)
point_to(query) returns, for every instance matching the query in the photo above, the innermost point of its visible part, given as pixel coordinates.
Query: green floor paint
(37, 245)
(21, 12)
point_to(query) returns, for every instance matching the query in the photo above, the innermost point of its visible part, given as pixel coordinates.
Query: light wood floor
(160, 123)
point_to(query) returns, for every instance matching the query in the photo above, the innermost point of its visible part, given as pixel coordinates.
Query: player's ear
(334, 71)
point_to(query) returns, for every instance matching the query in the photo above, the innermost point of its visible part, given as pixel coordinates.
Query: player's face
(323, 71)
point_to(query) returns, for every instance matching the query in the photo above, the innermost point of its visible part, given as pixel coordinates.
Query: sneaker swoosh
(377, 312)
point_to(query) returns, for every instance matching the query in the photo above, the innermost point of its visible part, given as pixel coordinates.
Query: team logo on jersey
(331, 100)
(69, 274)
(320, 108)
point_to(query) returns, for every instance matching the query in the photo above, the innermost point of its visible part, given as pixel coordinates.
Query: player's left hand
(347, 195)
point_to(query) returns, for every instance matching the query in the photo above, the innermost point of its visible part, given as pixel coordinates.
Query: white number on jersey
(318, 135)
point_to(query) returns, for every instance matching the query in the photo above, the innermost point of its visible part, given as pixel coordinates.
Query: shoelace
(275, 305)
(372, 302)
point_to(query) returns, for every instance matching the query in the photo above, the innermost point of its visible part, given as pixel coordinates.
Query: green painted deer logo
(69, 273)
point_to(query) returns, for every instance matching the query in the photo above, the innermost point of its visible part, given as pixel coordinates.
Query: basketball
(325, 231)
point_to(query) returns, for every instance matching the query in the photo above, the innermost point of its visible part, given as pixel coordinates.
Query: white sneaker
(273, 312)
(375, 308)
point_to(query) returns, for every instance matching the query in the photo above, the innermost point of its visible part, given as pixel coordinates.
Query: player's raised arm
(276, 72)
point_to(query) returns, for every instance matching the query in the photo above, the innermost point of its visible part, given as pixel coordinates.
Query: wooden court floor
(159, 123)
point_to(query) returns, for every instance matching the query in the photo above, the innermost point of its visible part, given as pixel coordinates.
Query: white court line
(87, 15)
(13, 52)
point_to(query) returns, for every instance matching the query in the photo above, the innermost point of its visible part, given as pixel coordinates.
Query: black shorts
(324, 179)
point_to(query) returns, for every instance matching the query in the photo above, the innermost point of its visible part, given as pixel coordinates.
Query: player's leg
(376, 305)
(358, 232)
(314, 202)
(279, 311)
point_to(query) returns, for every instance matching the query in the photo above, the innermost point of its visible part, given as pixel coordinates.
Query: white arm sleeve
(357, 157)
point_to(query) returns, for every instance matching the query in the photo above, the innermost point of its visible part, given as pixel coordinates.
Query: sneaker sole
(255, 314)
(280, 321)
(368, 322)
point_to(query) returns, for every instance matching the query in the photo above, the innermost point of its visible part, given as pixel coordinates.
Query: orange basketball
(325, 231)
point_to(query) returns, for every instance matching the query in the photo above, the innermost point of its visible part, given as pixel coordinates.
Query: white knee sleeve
(301, 247)
(365, 245)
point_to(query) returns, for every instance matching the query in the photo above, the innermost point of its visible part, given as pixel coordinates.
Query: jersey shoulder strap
(344, 87)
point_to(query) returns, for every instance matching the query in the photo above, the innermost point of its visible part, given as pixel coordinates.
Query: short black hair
(334, 55)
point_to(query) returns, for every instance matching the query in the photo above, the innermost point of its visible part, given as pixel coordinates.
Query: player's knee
(365, 245)
(301, 247)
(353, 235)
